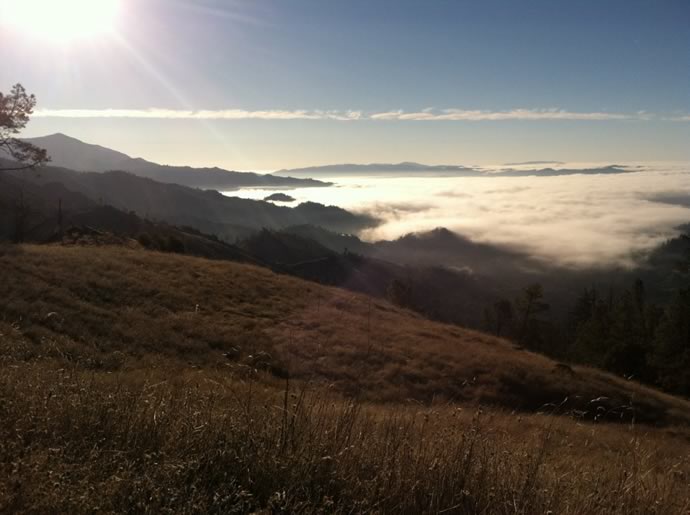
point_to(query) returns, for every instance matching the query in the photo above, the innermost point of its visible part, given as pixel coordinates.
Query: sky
(271, 84)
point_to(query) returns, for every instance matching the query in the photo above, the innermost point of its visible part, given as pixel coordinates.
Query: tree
(15, 110)
(671, 357)
(671, 353)
(499, 316)
(400, 292)
(530, 305)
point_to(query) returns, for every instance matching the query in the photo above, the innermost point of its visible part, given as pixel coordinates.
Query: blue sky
(273, 84)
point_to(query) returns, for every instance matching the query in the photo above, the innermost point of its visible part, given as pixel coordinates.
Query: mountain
(430, 248)
(88, 219)
(524, 163)
(556, 172)
(497, 271)
(68, 152)
(679, 198)
(443, 246)
(84, 221)
(421, 170)
(205, 210)
(279, 197)
(406, 168)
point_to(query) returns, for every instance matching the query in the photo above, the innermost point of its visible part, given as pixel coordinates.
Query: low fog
(574, 220)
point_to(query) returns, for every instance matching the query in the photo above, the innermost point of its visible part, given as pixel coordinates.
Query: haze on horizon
(269, 85)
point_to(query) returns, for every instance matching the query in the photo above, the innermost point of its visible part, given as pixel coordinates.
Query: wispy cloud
(350, 115)
(679, 118)
(223, 114)
(514, 114)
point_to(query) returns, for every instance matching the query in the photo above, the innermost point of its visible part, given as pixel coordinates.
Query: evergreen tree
(671, 357)
(15, 111)
(530, 305)
(593, 322)
(503, 311)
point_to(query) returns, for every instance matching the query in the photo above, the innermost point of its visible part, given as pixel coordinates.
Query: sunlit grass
(133, 381)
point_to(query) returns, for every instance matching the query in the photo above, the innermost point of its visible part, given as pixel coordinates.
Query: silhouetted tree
(400, 292)
(489, 320)
(584, 308)
(671, 356)
(634, 322)
(684, 266)
(15, 110)
(671, 352)
(175, 245)
(499, 317)
(530, 305)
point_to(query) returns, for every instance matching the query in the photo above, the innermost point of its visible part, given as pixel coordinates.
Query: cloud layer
(350, 115)
(575, 220)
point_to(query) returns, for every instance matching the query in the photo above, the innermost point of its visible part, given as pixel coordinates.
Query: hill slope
(72, 153)
(208, 211)
(143, 303)
(139, 382)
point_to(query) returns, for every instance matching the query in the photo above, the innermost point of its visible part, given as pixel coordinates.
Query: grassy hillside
(182, 440)
(154, 383)
(195, 310)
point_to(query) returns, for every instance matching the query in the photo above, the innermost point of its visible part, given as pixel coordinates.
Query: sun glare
(60, 21)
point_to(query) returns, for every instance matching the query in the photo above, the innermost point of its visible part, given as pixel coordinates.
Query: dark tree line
(622, 332)
(523, 320)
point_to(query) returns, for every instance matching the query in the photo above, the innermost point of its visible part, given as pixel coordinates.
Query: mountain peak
(59, 136)
(69, 152)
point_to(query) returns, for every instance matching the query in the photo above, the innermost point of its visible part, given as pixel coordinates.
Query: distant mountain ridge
(376, 168)
(208, 211)
(68, 152)
(422, 170)
(522, 163)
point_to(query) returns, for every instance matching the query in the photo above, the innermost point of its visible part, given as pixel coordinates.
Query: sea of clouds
(576, 220)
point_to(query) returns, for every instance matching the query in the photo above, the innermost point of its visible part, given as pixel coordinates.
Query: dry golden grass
(176, 439)
(115, 396)
(108, 300)
(368, 346)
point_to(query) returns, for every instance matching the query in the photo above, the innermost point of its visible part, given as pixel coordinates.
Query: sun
(60, 21)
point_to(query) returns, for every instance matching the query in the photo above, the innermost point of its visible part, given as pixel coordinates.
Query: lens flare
(60, 21)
